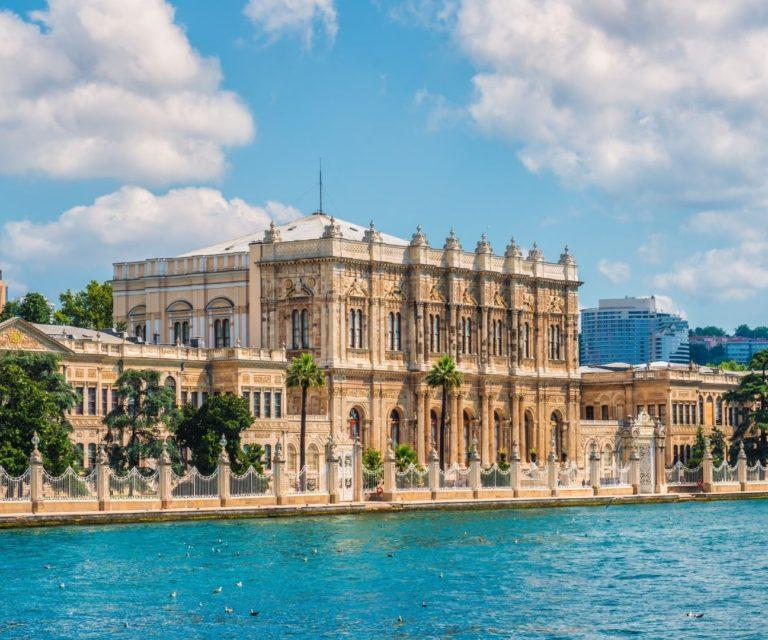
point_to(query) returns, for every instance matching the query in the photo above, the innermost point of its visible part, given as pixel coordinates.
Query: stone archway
(557, 428)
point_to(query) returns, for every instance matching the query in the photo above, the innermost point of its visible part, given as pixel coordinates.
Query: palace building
(376, 312)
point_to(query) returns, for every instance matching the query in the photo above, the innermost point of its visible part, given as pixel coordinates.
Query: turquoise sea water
(601, 572)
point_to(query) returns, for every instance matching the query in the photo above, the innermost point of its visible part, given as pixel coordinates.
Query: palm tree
(304, 374)
(444, 374)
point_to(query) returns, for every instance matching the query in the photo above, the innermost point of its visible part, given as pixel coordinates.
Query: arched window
(467, 431)
(607, 457)
(217, 333)
(141, 332)
(356, 328)
(719, 411)
(675, 454)
(394, 427)
(313, 458)
(226, 339)
(497, 431)
(530, 444)
(434, 333)
(177, 333)
(299, 329)
(434, 426)
(354, 423)
(292, 458)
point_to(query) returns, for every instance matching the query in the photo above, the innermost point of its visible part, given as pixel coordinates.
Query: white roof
(310, 227)
(65, 332)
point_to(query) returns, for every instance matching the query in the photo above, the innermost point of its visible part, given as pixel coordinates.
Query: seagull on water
(238, 583)
(253, 612)
(61, 585)
(400, 620)
(691, 614)
(217, 590)
(228, 610)
(173, 594)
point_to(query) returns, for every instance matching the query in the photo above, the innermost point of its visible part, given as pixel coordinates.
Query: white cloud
(616, 271)
(275, 18)
(98, 88)
(652, 250)
(131, 224)
(649, 98)
(441, 114)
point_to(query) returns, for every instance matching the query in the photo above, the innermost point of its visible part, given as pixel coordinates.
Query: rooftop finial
(320, 163)
(513, 250)
(371, 234)
(418, 239)
(452, 242)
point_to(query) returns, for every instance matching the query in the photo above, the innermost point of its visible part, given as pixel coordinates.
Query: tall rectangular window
(203, 397)
(79, 404)
(184, 398)
(278, 404)
(115, 399)
(195, 399)
(104, 401)
(91, 401)
(247, 396)
(267, 404)
(257, 404)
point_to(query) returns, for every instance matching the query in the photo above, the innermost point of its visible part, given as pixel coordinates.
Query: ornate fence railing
(725, 474)
(679, 475)
(412, 479)
(454, 477)
(304, 481)
(372, 479)
(193, 484)
(69, 486)
(14, 489)
(495, 478)
(533, 477)
(616, 476)
(251, 483)
(568, 476)
(757, 472)
(133, 485)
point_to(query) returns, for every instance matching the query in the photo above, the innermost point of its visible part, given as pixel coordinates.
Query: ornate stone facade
(376, 312)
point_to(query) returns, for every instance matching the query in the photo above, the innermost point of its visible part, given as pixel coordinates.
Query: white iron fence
(454, 477)
(679, 475)
(412, 479)
(305, 481)
(133, 485)
(193, 484)
(14, 489)
(725, 474)
(69, 486)
(568, 475)
(616, 476)
(534, 477)
(251, 483)
(495, 478)
(756, 473)
(372, 479)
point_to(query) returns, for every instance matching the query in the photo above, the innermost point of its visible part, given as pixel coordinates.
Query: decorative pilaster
(474, 470)
(164, 478)
(224, 473)
(357, 466)
(332, 471)
(594, 469)
(389, 485)
(279, 478)
(433, 473)
(36, 475)
(741, 466)
(634, 470)
(707, 483)
(514, 470)
(102, 479)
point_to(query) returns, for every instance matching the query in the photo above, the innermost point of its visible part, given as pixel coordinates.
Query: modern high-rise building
(634, 331)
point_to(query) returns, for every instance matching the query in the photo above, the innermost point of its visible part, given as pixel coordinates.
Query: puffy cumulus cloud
(98, 88)
(737, 271)
(615, 271)
(441, 114)
(131, 224)
(275, 18)
(655, 98)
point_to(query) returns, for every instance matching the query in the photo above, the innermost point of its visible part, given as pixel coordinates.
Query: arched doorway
(394, 427)
(355, 424)
(556, 425)
(529, 451)
(434, 428)
(497, 435)
(466, 427)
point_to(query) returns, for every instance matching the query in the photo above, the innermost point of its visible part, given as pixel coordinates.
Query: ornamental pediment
(18, 335)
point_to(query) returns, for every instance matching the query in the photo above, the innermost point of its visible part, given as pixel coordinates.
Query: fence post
(390, 486)
(514, 470)
(474, 470)
(707, 476)
(594, 469)
(35, 475)
(433, 460)
(102, 479)
(278, 473)
(357, 471)
(741, 466)
(164, 478)
(660, 470)
(634, 470)
(224, 477)
(552, 472)
(331, 471)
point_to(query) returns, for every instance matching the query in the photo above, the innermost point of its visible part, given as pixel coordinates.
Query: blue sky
(580, 123)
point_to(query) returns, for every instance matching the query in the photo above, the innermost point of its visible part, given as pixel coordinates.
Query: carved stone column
(420, 425)
(458, 422)
(485, 454)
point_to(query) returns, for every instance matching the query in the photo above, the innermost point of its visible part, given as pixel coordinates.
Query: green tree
(200, 430)
(143, 402)
(708, 331)
(717, 445)
(250, 456)
(33, 307)
(728, 365)
(304, 374)
(372, 459)
(90, 308)
(743, 331)
(405, 456)
(445, 375)
(698, 448)
(752, 395)
(34, 398)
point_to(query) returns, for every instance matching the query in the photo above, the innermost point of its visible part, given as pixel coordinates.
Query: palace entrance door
(346, 472)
